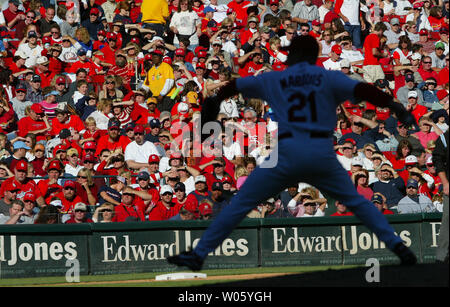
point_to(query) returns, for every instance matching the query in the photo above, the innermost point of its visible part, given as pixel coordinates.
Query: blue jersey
(303, 97)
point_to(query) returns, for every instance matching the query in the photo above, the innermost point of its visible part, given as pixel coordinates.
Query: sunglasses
(344, 148)
(138, 133)
(290, 33)
(69, 188)
(106, 210)
(426, 62)
(308, 204)
(82, 177)
(109, 82)
(76, 211)
(411, 188)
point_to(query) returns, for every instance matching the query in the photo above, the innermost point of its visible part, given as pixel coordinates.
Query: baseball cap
(166, 189)
(29, 196)
(315, 23)
(52, 93)
(113, 123)
(357, 161)
(227, 179)
(180, 51)
(202, 54)
(69, 184)
(336, 49)
(71, 152)
(377, 199)
(155, 123)
(90, 145)
(143, 175)
(217, 42)
(208, 9)
(439, 45)
(409, 78)
(429, 160)
(139, 129)
(55, 164)
(217, 186)
(412, 183)
(200, 178)
(423, 32)
(229, 10)
(253, 19)
(60, 80)
(36, 78)
(412, 94)
(153, 159)
(201, 65)
(39, 146)
(81, 52)
(176, 155)
(416, 56)
(192, 97)
(20, 145)
(111, 36)
(58, 148)
(395, 21)
(42, 60)
(205, 208)
(80, 207)
(167, 60)
(89, 158)
(381, 83)
(56, 203)
(179, 186)
(122, 179)
(22, 166)
(21, 88)
(21, 54)
(94, 11)
(441, 94)
(411, 160)
(152, 100)
(101, 32)
(158, 52)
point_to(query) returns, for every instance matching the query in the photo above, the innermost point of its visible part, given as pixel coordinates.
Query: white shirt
(331, 65)
(186, 24)
(189, 185)
(284, 41)
(232, 151)
(32, 53)
(322, 12)
(72, 170)
(221, 12)
(345, 162)
(229, 107)
(101, 119)
(140, 153)
(352, 55)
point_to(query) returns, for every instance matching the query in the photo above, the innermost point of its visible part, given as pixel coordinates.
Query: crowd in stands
(99, 100)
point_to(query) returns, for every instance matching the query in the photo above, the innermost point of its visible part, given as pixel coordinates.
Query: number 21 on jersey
(301, 101)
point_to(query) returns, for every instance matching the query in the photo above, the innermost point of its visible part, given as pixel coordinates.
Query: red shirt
(122, 212)
(73, 122)
(68, 204)
(104, 142)
(78, 64)
(249, 69)
(72, 221)
(342, 214)
(27, 124)
(428, 74)
(240, 9)
(419, 111)
(27, 186)
(48, 191)
(371, 41)
(162, 213)
(443, 76)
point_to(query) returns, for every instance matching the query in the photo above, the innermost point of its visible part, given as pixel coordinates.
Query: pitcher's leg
(262, 184)
(339, 186)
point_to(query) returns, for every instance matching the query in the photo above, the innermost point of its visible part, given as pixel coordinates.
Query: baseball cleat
(406, 256)
(189, 259)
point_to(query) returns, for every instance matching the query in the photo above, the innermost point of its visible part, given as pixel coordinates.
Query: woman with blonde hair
(110, 89)
(86, 187)
(103, 213)
(83, 38)
(103, 113)
(306, 195)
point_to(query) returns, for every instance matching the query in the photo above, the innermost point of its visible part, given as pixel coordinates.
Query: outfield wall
(110, 248)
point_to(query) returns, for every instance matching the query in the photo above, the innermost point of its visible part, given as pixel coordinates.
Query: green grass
(139, 278)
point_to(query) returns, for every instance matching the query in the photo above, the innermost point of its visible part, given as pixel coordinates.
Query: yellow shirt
(154, 11)
(157, 76)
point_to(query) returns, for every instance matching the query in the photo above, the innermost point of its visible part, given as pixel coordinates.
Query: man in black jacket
(440, 160)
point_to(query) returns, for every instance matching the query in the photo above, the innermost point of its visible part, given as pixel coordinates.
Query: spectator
(48, 215)
(438, 57)
(371, 66)
(19, 102)
(341, 210)
(414, 202)
(31, 48)
(378, 200)
(304, 12)
(361, 181)
(138, 151)
(426, 71)
(103, 213)
(271, 210)
(68, 197)
(79, 215)
(17, 215)
(166, 207)
(390, 184)
(333, 63)
(429, 131)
